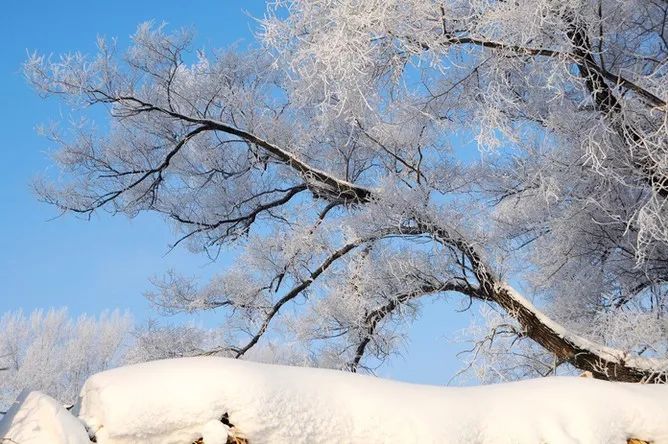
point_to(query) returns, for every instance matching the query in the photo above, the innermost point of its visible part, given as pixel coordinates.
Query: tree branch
(603, 362)
(580, 58)
(320, 181)
(293, 293)
(373, 318)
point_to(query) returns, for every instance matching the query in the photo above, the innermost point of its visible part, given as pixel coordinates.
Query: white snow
(181, 400)
(178, 401)
(215, 432)
(36, 418)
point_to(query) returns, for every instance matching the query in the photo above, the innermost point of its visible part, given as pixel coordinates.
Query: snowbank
(36, 418)
(178, 401)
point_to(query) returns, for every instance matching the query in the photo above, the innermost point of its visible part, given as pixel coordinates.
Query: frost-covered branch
(374, 317)
(293, 293)
(351, 124)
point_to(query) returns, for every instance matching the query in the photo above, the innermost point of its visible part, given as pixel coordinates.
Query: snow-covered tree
(154, 341)
(52, 352)
(336, 155)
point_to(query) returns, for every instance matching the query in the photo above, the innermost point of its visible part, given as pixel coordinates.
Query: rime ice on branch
(331, 156)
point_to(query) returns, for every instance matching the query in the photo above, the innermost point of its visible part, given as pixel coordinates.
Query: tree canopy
(336, 154)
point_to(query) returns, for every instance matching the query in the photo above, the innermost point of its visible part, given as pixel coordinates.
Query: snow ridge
(175, 401)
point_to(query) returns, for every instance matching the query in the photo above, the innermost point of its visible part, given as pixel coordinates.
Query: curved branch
(604, 362)
(374, 317)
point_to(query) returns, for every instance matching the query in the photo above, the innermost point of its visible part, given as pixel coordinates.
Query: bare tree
(330, 155)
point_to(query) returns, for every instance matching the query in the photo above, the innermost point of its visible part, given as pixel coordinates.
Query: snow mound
(180, 400)
(36, 418)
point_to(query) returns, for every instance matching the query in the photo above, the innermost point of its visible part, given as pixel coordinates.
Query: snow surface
(178, 401)
(36, 418)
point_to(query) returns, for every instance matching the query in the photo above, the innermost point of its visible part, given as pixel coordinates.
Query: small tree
(332, 156)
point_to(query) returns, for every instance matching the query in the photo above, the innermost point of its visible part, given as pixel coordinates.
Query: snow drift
(36, 418)
(208, 399)
(181, 400)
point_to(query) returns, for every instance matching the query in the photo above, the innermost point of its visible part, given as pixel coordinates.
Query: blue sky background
(106, 263)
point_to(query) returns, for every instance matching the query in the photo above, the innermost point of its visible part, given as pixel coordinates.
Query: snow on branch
(335, 157)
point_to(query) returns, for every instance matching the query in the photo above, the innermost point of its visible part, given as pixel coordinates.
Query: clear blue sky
(105, 263)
